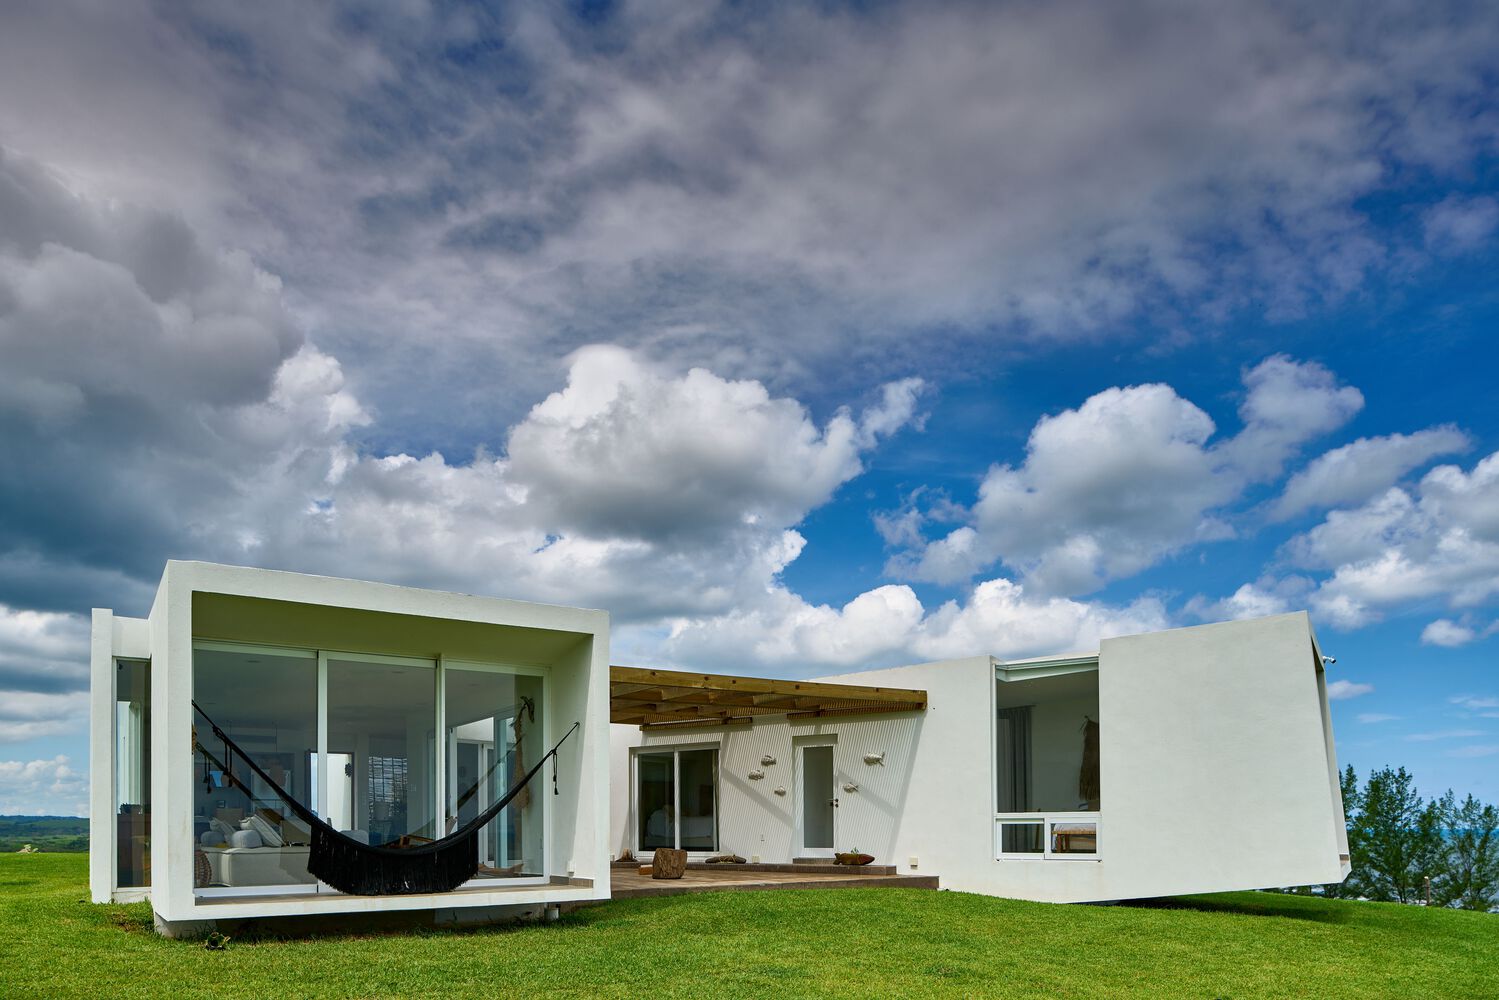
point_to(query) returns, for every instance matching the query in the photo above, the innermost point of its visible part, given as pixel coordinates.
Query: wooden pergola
(658, 698)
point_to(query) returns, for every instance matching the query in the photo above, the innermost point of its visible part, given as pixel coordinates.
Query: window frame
(439, 665)
(676, 750)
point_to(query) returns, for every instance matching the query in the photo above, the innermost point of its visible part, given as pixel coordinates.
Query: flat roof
(652, 698)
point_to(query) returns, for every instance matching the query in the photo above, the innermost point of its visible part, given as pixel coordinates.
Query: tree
(1399, 837)
(1352, 805)
(1470, 877)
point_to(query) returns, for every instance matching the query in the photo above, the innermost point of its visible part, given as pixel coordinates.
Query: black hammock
(361, 869)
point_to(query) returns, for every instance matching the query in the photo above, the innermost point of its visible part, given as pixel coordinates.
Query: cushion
(211, 838)
(270, 833)
(245, 838)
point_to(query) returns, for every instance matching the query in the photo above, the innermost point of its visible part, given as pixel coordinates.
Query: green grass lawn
(853, 942)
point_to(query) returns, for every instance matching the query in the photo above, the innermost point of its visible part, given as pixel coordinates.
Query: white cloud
(42, 787)
(1476, 750)
(26, 715)
(632, 488)
(889, 625)
(1458, 223)
(1364, 469)
(1252, 600)
(1436, 542)
(1446, 632)
(1341, 690)
(1129, 478)
(1476, 703)
(1445, 734)
(1370, 718)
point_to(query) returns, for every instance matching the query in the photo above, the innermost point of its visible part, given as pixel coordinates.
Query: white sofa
(247, 866)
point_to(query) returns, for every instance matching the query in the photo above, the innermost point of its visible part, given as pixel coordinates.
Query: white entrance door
(817, 801)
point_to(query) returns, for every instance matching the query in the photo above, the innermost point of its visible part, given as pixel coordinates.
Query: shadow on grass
(289, 930)
(1267, 904)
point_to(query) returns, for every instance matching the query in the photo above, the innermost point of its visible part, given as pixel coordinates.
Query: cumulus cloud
(42, 787)
(632, 488)
(1356, 472)
(889, 625)
(1446, 632)
(1252, 600)
(1437, 542)
(1130, 477)
(1341, 690)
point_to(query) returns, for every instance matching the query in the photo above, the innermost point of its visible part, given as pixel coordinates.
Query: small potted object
(852, 857)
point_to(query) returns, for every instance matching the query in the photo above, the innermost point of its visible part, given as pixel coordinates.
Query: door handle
(834, 803)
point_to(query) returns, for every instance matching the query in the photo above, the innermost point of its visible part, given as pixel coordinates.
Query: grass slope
(855, 942)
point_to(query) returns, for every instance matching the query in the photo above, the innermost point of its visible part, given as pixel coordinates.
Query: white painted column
(103, 827)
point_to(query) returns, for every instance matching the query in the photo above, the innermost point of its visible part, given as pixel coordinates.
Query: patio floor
(627, 882)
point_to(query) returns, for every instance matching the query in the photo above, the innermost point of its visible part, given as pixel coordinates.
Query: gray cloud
(808, 184)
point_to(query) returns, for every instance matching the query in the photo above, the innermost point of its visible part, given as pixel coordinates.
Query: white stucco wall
(1215, 770)
(930, 799)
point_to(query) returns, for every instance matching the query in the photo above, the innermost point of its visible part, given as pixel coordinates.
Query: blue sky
(801, 338)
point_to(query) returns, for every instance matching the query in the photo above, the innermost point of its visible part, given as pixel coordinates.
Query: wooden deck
(627, 883)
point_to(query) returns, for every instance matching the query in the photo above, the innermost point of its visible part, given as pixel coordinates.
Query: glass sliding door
(266, 701)
(133, 772)
(361, 740)
(676, 799)
(697, 792)
(656, 800)
(382, 713)
(493, 737)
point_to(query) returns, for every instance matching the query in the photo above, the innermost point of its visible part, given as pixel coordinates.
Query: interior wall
(1057, 751)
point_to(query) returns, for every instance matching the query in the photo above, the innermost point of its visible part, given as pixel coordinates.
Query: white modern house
(1186, 761)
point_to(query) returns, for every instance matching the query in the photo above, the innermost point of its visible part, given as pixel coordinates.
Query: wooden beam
(729, 720)
(882, 709)
(762, 685)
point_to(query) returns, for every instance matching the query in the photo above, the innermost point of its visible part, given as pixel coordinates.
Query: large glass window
(381, 782)
(133, 772)
(676, 799)
(1048, 794)
(494, 737)
(266, 701)
(382, 715)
